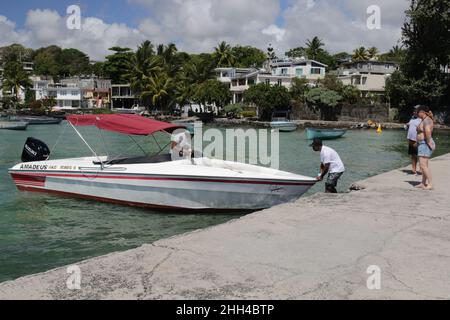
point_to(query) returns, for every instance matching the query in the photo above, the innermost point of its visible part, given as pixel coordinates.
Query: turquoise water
(39, 232)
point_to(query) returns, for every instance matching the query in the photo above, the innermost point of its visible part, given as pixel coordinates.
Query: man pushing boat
(331, 164)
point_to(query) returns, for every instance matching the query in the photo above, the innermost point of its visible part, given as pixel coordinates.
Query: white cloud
(275, 31)
(199, 25)
(8, 32)
(342, 26)
(47, 27)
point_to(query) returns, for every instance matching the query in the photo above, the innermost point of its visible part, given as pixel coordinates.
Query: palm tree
(396, 51)
(143, 64)
(171, 61)
(197, 71)
(15, 78)
(224, 55)
(372, 53)
(360, 54)
(314, 47)
(159, 89)
(138, 74)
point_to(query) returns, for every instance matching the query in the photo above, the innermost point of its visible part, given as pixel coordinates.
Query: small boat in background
(324, 134)
(280, 121)
(189, 125)
(34, 120)
(13, 125)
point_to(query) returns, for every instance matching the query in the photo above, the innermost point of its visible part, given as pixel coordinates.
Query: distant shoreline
(301, 123)
(318, 124)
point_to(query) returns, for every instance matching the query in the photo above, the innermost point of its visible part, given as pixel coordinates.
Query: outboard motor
(35, 150)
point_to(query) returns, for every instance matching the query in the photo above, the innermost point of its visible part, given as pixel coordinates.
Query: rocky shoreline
(316, 124)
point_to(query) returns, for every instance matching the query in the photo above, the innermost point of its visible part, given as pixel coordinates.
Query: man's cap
(422, 108)
(316, 142)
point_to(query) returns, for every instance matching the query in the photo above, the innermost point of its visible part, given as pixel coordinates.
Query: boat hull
(325, 134)
(284, 126)
(163, 191)
(38, 120)
(14, 125)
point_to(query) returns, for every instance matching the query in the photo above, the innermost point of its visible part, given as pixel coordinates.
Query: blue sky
(199, 25)
(119, 11)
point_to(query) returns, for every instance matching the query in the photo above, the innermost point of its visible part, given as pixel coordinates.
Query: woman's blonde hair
(430, 114)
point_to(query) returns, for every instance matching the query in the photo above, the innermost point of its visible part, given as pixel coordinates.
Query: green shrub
(36, 105)
(102, 111)
(232, 110)
(248, 114)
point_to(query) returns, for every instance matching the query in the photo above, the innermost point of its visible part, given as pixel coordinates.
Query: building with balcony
(367, 76)
(73, 93)
(278, 72)
(96, 92)
(66, 96)
(123, 97)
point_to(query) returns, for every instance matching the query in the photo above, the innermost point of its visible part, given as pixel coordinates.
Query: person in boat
(426, 145)
(180, 144)
(412, 139)
(331, 164)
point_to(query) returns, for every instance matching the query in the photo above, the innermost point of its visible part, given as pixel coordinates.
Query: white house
(280, 72)
(66, 96)
(72, 93)
(40, 84)
(368, 76)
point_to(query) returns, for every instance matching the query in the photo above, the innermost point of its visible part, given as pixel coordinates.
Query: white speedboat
(156, 181)
(280, 121)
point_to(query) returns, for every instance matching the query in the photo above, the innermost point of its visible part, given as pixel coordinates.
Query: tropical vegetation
(162, 77)
(423, 77)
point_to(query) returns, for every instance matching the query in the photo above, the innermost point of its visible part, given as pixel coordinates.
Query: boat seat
(137, 160)
(146, 159)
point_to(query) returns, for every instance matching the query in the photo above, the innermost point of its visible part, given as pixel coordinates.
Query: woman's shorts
(424, 150)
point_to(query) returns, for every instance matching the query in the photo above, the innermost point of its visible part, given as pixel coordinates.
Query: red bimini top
(123, 123)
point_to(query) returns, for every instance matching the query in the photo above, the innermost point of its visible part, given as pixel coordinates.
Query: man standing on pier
(331, 164)
(412, 139)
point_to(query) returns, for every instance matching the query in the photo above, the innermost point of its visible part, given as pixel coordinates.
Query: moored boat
(13, 125)
(35, 120)
(154, 181)
(188, 125)
(280, 121)
(324, 134)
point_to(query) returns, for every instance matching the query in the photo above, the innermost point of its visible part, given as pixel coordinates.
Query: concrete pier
(319, 247)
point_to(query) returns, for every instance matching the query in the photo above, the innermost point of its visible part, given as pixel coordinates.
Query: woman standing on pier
(426, 145)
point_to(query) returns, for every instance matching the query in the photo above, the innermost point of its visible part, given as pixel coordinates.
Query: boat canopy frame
(158, 126)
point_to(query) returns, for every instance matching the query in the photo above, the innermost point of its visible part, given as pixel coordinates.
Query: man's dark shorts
(412, 151)
(332, 179)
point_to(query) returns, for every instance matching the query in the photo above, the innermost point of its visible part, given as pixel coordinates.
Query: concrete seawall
(314, 123)
(319, 247)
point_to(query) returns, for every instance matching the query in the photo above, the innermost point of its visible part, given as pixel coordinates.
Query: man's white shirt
(328, 155)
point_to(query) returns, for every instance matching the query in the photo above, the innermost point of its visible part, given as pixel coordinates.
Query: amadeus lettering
(34, 166)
